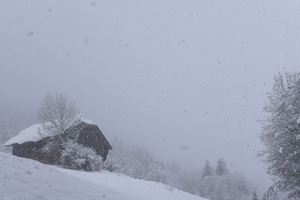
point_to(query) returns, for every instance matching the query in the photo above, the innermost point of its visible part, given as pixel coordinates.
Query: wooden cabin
(31, 142)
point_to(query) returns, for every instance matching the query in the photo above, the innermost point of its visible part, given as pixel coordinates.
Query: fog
(187, 79)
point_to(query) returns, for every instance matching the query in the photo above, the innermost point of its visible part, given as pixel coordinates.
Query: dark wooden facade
(84, 134)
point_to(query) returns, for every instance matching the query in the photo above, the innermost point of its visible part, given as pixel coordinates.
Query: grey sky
(187, 79)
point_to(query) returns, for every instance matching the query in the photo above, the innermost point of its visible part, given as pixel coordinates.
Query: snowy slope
(30, 180)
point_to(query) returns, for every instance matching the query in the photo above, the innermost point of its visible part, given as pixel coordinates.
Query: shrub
(79, 157)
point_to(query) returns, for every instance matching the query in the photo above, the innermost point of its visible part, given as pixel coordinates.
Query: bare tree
(56, 113)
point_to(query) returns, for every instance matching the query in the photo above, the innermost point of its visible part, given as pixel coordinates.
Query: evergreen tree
(207, 170)
(221, 169)
(281, 134)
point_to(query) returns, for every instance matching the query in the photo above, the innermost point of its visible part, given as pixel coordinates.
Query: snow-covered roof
(80, 118)
(36, 132)
(33, 133)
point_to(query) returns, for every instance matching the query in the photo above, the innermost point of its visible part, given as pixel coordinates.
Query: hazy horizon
(185, 79)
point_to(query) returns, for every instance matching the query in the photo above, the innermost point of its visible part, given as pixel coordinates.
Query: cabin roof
(36, 132)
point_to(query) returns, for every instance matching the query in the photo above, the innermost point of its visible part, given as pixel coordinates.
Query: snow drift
(30, 180)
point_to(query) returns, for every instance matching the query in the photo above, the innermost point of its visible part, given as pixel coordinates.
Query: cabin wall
(89, 137)
(84, 134)
(34, 151)
(23, 150)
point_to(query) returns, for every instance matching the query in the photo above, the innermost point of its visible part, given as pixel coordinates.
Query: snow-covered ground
(30, 180)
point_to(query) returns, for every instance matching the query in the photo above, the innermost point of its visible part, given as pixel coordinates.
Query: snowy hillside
(30, 180)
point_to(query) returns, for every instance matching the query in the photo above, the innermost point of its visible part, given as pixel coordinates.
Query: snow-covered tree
(76, 156)
(272, 196)
(56, 113)
(207, 170)
(137, 162)
(281, 134)
(221, 168)
(254, 196)
(227, 187)
(4, 136)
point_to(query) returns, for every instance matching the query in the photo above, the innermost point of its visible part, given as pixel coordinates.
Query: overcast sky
(185, 78)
